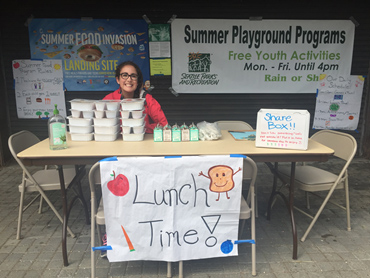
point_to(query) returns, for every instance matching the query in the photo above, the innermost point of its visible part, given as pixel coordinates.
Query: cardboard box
(282, 128)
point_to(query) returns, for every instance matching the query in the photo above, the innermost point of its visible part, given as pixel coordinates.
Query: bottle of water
(57, 131)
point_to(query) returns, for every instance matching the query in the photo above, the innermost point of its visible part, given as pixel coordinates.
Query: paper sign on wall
(338, 102)
(282, 128)
(38, 87)
(168, 209)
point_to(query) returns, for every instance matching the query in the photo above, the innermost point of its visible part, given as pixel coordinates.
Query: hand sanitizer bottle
(57, 131)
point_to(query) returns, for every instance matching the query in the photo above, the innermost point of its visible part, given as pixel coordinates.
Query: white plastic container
(133, 137)
(132, 104)
(136, 114)
(100, 105)
(125, 114)
(82, 104)
(81, 129)
(106, 129)
(82, 136)
(105, 137)
(139, 129)
(113, 105)
(126, 129)
(105, 121)
(76, 113)
(99, 114)
(79, 121)
(88, 114)
(112, 113)
(133, 122)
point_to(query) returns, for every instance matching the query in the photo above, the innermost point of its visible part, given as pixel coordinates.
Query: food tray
(82, 104)
(105, 121)
(133, 137)
(106, 129)
(81, 129)
(105, 137)
(79, 121)
(132, 104)
(82, 136)
(133, 122)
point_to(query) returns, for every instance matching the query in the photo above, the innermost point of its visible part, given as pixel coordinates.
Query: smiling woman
(130, 80)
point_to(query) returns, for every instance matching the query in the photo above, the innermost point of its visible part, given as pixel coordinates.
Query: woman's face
(128, 85)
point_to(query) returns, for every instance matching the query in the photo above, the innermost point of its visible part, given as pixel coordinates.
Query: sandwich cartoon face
(89, 52)
(221, 177)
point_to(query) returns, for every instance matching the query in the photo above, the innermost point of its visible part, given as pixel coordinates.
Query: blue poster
(90, 50)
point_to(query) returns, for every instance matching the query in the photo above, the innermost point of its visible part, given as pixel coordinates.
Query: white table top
(88, 152)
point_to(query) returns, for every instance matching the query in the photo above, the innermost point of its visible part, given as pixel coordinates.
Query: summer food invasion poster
(90, 49)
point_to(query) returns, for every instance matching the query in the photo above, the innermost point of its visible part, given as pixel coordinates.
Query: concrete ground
(329, 250)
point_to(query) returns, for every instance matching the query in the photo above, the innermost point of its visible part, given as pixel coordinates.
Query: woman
(130, 80)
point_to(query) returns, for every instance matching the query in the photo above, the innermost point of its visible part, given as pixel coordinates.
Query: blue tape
(113, 158)
(245, 241)
(173, 156)
(102, 248)
(238, 155)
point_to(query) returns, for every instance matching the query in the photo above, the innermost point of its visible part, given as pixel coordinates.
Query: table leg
(80, 194)
(289, 202)
(65, 214)
(273, 192)
(291, 209)
(80, 171)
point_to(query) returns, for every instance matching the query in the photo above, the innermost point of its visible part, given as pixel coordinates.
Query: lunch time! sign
(268, 56)
(171, 208)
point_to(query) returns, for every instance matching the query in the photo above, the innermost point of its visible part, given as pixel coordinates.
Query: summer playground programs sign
(267, 56)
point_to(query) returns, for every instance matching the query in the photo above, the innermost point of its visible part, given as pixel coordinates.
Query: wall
(184, 108)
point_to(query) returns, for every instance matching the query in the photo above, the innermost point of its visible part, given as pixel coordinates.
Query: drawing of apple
(16, 65)
(119, 186)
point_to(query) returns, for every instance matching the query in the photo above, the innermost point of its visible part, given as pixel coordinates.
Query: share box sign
(282, 128)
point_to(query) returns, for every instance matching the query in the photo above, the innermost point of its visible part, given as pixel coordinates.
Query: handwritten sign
(338, 102)
(38, 87)
(282, 128)
(171, 209)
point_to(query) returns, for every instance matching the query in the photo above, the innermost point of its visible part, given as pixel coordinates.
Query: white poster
(171, 209)
(267, 56)
(338, 102)
(38, 87)
(282, 128)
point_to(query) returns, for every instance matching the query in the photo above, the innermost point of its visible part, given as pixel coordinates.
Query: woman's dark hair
(139, 78)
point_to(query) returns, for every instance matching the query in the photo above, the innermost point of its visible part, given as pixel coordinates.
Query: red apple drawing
(119, 186)
(16, 65)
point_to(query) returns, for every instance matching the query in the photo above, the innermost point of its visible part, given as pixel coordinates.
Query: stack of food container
(106, 126)
(132, 117)
(80, 121)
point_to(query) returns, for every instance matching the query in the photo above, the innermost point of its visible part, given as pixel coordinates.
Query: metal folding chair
(41, 181)
(313, 179)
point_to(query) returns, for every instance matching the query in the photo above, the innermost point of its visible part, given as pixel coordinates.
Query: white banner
(268, 56)
(171, 209)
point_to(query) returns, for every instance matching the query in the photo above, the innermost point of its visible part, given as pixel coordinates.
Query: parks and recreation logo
(199, 70)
